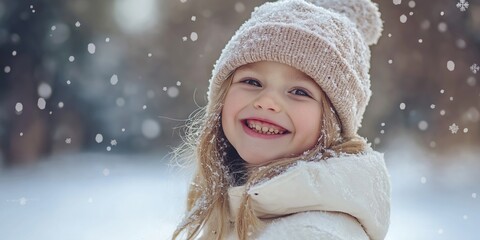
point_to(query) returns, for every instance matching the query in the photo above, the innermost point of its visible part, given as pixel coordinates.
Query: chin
(257, 159)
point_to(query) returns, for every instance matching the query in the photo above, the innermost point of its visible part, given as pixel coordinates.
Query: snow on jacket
(344, 197)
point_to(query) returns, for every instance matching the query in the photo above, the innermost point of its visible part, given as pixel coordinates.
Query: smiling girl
(277, 151)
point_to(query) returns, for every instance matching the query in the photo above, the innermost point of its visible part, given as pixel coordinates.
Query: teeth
(264, 129)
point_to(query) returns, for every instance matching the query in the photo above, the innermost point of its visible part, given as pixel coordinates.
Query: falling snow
(150, 128)
(450, 65)
(173, 92)
(423, 125)
(23, 201)
(114, 79)
(453, 128)
(475, 68)
(91, 48)
(239, 7)
(194, 36)
(120, 102)
(423, 180)
(411, 4)
(19, 107)
(44, 90)
(99, 138)
(442, 27)
(41, 103)
(462, 5)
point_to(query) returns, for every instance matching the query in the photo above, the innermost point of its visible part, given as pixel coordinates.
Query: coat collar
(358, 185)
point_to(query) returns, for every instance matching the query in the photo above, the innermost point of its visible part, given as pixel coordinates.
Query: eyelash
(250, 81)
(256, 83)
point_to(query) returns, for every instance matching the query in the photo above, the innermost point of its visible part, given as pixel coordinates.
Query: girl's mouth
(264, 128)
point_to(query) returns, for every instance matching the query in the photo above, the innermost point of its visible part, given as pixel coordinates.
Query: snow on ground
(105, 196)
(430, 201)
(92, 196)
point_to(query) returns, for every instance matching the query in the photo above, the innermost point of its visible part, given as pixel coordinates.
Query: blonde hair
(218, 167)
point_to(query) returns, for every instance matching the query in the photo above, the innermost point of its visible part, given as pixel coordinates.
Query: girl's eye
(300, 92)
(252, 82)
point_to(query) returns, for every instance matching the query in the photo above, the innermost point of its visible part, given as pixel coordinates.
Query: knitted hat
(326, 39)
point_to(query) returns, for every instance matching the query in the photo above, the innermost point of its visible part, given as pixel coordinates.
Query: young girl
(277, 150)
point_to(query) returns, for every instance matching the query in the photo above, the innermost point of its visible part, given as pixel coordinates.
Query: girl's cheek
(308, 117)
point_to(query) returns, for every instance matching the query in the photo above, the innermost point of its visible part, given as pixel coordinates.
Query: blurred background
(93, 95)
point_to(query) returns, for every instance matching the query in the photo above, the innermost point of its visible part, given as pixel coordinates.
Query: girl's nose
(267, 103)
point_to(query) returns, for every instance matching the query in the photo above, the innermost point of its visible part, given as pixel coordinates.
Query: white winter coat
(345, 197)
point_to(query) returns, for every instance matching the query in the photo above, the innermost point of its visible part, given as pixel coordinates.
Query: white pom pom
(363, 13)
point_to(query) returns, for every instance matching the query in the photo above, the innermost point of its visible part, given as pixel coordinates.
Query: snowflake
(23, 201)
(113, 142)
(68, 140)
(475, 68)
(462, 5)
(453, 128)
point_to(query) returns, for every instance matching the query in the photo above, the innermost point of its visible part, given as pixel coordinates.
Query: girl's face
(271, 111)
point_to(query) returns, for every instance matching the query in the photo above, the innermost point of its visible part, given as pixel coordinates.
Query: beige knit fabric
(328, 41)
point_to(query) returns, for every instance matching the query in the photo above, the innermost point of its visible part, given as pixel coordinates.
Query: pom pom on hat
(363, 13)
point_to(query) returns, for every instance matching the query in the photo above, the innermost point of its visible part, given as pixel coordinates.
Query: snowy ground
(92, 196)
(106, 196)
